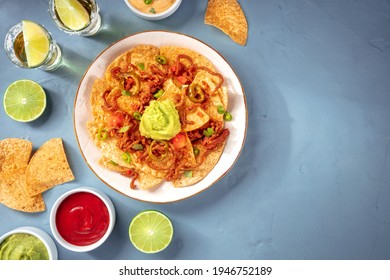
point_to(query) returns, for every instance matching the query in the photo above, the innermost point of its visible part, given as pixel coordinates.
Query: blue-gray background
(313, 180)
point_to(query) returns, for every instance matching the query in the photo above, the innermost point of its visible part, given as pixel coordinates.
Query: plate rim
(213, 181)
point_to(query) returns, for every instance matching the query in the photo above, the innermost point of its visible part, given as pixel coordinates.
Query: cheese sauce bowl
(27, 243)
(151, 11)
(82, 219)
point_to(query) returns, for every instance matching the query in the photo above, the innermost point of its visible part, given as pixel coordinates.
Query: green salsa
(23, 246)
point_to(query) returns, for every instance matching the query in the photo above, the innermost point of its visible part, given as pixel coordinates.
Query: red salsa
(82, 219)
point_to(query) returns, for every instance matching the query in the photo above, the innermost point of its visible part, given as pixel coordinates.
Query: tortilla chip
(170, 52)
(217, 98)
(14, 153)
(196, 118)
(202, 171)
(129, 104)
(110, 151)
(228, 16)
(143, 167)
(13, 192)
(144, 54)
(147, 182)
(111, 165)
(99, 87)
(48, 167)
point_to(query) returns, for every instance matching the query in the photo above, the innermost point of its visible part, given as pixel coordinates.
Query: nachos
(159, 115)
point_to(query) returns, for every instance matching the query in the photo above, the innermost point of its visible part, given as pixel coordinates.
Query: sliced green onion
(137, 147)
(102, 134)
(221, 109)
(126, 157)
(227, 116)
(137, 116)
(124, 129)
(141, 66)
(208, 132)
(125, 92)
(158, 93)
(196, 151)
(188, 173)
(152, 10)
(113, 163)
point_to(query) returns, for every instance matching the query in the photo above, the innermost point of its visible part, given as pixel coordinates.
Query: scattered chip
(228, 16)
(145, 182)
(112, 165)
(22, 181)
(13, 192)
(14, 153)
(48, 167)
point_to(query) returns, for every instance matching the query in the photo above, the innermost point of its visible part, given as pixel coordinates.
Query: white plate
(166, 192)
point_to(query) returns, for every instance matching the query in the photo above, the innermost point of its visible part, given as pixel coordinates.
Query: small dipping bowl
(42, 236)
(152, 16)
(82, 219)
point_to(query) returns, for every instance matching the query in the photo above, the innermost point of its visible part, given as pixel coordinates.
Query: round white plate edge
(237, 106)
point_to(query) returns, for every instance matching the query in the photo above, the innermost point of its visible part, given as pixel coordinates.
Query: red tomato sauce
(82, 219)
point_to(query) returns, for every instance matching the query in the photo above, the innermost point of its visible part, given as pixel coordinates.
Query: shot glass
(90, 29)
(14, 47)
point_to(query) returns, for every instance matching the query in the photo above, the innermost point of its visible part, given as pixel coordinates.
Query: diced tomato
(182, 80)
(179, 141)
(115, 120)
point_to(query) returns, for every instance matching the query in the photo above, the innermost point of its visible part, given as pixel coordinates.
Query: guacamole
(160, 121)
(23, 246)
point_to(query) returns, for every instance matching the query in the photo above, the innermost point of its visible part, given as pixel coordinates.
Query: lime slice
(36, 43)
(24, 100)
(150, 231)
(72, 14)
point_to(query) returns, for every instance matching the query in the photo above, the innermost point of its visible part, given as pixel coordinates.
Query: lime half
(24, 100)
(36, 43)
(150, 231)
(72, 14)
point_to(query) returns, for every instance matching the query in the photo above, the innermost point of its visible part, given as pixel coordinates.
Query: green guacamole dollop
(160, 121)
(23, 246)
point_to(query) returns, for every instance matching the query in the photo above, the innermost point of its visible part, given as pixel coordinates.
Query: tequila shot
(29, 45)
(76, 17)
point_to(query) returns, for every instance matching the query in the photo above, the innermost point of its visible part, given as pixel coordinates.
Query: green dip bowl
(27, 243)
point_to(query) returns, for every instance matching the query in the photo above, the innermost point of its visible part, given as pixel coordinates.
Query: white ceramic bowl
(38, 233)
(82, 248)
(158, 16)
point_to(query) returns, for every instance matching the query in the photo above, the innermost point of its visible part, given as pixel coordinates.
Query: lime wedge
(36, 43)
(150, 231)
(24, 100)
(72, 14)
